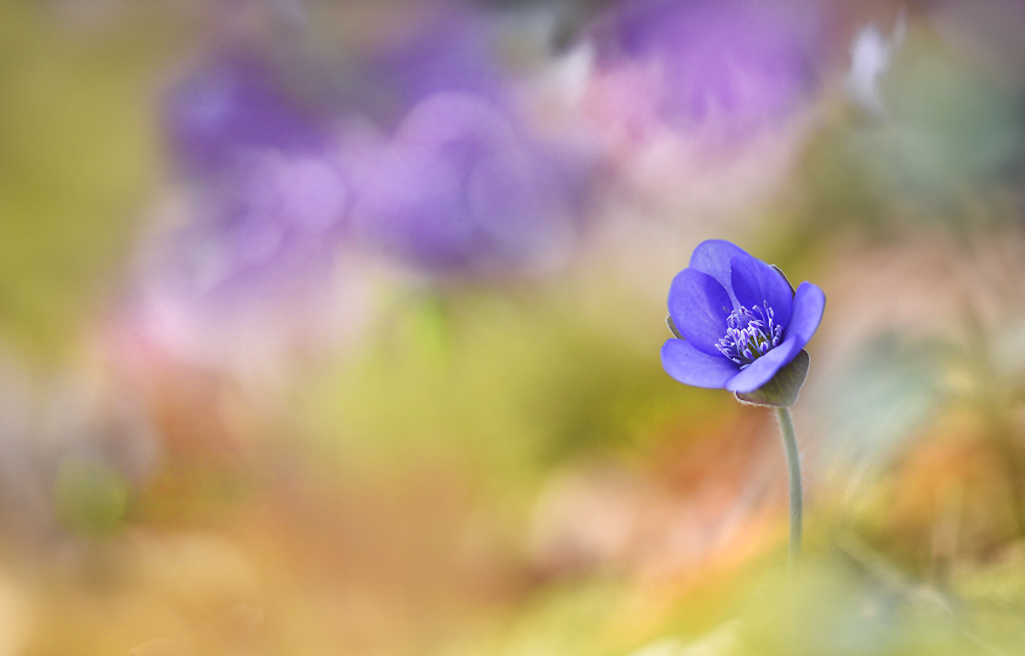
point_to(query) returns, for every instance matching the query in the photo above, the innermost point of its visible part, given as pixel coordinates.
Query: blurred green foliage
(515, 383)
(90, 498)
(78, 150)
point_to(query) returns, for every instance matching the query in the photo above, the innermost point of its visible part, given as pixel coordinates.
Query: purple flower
(277, 219)
(451, 50)
(231, 105)
(241, 275)
(462, 189)
(269, 186)
(735, 65)
(739, 320)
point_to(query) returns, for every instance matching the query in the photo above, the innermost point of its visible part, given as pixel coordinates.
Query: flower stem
(786, 425)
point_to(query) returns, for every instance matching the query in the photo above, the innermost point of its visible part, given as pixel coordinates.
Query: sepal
(673, 328)
(782, 389)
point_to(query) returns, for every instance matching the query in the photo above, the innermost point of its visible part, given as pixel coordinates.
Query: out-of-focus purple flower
(462, 189)
(739, 320)
(269, 187)
(461, 185)
(278, 216)
(730, 66)
(232, 105)
(246, 254)
(250, 270)
(449, 49)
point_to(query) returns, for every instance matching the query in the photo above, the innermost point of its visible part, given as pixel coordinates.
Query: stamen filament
(750, 334)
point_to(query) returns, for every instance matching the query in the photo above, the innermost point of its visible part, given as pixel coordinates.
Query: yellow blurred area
(78, 145)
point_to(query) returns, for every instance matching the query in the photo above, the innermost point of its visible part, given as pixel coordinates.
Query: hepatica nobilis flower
(740, 326)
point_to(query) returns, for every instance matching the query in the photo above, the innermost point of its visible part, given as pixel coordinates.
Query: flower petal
(764, 368)
(809, 303)
(755, 283)
(690, 366)
(713, 257)
(699, 306)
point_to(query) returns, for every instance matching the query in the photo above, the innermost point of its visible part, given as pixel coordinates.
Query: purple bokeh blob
(737, 63)
(234, 103)
(462, 188)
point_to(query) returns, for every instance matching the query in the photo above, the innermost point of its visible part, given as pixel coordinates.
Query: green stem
(786, 425)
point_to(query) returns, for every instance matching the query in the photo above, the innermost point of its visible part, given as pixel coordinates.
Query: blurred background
(333, 327)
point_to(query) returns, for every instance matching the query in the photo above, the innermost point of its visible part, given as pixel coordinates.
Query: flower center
(750, 334)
